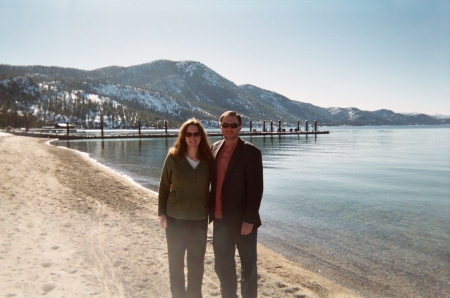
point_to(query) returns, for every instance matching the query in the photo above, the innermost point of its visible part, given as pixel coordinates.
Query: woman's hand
(163, 221)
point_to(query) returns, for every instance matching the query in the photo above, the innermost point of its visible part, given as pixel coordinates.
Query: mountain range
(168, 90)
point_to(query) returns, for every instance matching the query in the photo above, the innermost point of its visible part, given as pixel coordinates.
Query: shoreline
(71, 225)
(110, 169)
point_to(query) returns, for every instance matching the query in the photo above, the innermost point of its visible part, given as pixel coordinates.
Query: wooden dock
(69, 133)
(143, 135)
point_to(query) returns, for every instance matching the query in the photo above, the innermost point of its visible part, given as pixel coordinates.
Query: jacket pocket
(173, 197)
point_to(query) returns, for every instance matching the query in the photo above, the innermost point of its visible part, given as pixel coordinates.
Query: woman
(183, 206)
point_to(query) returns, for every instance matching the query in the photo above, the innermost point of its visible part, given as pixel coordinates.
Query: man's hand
(163, 221)
(246, 228)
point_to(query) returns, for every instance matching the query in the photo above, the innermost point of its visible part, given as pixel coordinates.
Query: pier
(73, 134)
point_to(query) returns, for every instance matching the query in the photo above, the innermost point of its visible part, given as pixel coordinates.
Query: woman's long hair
(179, 148)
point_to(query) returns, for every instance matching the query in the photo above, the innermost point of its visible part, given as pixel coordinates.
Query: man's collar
(230, 144)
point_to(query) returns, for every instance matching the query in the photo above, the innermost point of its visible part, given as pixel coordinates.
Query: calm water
(368, 207)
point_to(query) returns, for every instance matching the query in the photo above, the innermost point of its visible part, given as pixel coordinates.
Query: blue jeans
(186, 235)
(226, 239)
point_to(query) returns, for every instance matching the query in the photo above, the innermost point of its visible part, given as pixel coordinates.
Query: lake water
(367, 207)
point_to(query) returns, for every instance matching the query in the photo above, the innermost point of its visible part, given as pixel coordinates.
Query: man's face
(229, 133)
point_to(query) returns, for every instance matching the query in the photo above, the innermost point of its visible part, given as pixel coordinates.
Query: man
(236, 193)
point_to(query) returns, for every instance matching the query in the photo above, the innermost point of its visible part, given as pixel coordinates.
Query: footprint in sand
(48, 287)
(291, 290)
(209, 261)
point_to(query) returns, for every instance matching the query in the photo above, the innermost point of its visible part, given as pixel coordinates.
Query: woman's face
(192, 136)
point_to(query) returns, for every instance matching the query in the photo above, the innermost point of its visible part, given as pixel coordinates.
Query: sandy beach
(70, 227)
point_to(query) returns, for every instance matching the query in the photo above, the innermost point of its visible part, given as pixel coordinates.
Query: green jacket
(189, 199)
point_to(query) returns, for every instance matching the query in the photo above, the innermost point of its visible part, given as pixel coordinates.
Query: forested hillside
(160, 91)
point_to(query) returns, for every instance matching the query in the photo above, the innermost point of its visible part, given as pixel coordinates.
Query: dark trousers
(186, 235)
(225, 241)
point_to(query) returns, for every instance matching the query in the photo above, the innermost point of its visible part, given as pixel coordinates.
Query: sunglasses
(190, 134)
(232, 125)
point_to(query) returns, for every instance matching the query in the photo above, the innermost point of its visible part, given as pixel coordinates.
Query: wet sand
(69, 227)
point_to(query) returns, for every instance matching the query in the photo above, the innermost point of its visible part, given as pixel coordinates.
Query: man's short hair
(231, 113)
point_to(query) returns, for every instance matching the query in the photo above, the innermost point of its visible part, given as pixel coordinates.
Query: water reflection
(140, 159)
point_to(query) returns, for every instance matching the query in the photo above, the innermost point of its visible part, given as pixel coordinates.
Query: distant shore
(70, 227)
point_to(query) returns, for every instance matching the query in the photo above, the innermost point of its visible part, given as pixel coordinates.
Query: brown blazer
(242, 188)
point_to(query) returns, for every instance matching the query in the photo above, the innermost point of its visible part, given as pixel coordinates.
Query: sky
(369, 55)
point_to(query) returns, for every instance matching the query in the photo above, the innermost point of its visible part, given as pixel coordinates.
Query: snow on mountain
(148, 100)
(22, 84)
(209, 76)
